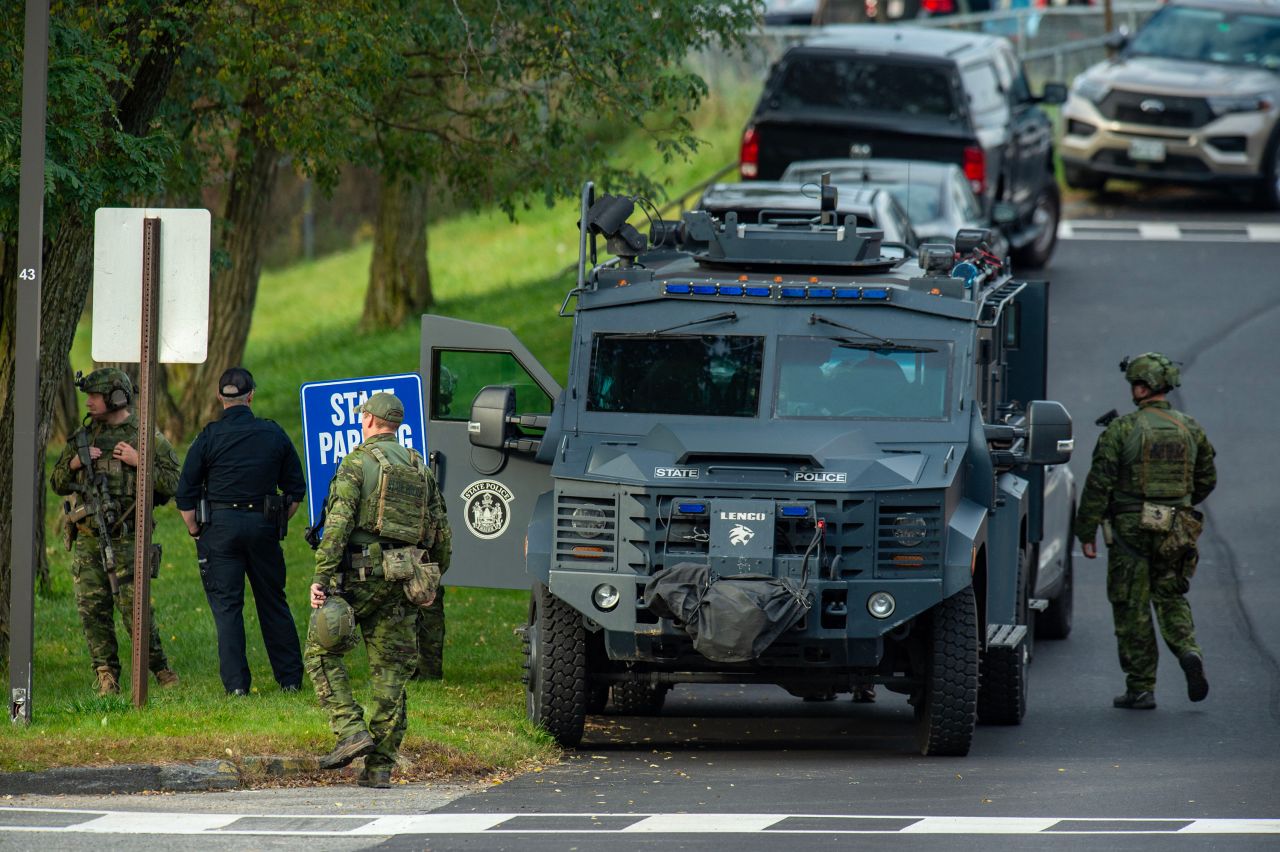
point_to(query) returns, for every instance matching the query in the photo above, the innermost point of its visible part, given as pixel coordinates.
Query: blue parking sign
(331, 425)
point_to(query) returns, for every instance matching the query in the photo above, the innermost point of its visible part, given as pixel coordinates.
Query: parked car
(1193, 97)
(937, 197)
(869, 91)
(771, 201)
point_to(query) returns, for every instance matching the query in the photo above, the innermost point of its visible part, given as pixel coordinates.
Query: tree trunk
(66, 408)
(233, 291)
(399, 279)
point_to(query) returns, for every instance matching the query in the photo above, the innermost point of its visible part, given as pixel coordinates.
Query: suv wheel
(1078, 177)
(1044, 217)
(946, 708)
(556, 692)
(1268, 193)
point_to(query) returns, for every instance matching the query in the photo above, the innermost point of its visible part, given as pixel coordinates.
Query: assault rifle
(97, 503)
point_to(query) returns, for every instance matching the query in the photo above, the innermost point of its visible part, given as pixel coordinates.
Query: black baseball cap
(235, 382)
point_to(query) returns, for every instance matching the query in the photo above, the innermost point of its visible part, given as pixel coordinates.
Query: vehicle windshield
(826, 377)
(704, 375)
(1210, 35)
(862, 85)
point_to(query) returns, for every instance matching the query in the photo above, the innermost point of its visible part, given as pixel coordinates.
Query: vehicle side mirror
(1054, 93)
(1004, 213)
(491, 411)
(1049, 439)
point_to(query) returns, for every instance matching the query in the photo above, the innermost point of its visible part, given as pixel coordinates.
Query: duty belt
(245, 506)
(364, 564)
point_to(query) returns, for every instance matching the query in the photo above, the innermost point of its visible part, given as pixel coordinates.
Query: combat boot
(374, 777)
(167, 678)
(348, 749)
(1193, 667)
(107, 683)
(1144, 700)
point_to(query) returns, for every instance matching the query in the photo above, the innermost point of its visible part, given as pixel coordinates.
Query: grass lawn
(485, 269)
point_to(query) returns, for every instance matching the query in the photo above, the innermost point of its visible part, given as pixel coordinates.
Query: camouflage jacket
(1113, 465)
(342, 514)
(121, 478)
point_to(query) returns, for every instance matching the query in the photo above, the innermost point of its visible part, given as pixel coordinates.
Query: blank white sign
(117, 284)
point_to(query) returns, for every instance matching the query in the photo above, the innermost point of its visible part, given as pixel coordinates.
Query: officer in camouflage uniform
(1149, 467)
(358, 552)
(112, 432)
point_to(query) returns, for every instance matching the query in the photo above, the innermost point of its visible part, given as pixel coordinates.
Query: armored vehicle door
(490, 494)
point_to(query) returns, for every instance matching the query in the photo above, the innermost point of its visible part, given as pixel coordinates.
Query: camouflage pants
(386, 621)
(1137, 580)
(97, 605)
(430, 624)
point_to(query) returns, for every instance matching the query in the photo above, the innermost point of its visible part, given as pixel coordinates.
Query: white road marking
(1218, 232)
(388, 825)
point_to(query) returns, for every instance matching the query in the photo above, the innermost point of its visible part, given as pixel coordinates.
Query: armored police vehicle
(781, 457)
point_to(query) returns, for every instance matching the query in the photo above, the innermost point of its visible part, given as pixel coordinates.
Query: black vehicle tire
(1268, 189)
(556, 663)
(946, 708)
(1055, 621)
(1002, 691)
(638, 699)
(597, 697)
(1079, 177)
(1046, 213)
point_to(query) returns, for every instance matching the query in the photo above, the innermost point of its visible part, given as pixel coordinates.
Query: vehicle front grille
(909, 539)
(1156, 110)
(586, 532)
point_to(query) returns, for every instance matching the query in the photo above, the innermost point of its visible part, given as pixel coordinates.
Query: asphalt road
(1077, 774)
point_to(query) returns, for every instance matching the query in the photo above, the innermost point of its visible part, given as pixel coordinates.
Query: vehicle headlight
(1227, 104)
(910, 530)
(587, 522)
(605, 597)
(881, 605)
(1090, 89)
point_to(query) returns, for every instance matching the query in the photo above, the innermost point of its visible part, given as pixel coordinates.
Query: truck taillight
(938, 7)
(975, 169)
(749, 156)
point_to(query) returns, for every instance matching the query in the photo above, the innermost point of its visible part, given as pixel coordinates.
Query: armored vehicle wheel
(638, 699)
(1055, 621)
(946, 709)
(1002, 690)
(597, 697)
(556, 690)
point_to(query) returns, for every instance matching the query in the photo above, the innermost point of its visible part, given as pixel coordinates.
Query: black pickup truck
(867, 91)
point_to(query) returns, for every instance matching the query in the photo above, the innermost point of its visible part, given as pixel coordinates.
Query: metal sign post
(146, 457)
(26, 384)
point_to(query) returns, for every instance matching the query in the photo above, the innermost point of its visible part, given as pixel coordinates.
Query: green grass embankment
(484, 269)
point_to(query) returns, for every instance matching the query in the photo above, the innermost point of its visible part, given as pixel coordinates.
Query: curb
(204, 775)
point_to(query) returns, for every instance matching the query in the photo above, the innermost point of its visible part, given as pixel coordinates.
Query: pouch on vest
(397, 565)
(422, 587)
(398, 505)
(1184, 531)
(1156, 517)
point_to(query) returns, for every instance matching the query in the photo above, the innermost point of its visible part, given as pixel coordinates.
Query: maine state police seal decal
(487, 511)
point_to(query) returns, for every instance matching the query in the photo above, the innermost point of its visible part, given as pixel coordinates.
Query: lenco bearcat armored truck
(785, 454)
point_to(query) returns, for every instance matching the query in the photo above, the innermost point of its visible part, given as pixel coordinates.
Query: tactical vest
(122, 484)
(393, 499)
(1161, 456)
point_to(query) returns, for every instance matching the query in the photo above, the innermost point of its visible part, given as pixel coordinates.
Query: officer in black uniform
(248, 471)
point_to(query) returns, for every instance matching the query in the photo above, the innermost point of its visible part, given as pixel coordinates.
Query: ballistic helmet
(113, 384)
(333, 625)
(1152, 369)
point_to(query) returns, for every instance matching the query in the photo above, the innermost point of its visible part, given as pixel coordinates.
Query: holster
(273, 509)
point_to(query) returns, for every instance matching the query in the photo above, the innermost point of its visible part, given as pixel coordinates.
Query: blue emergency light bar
(761, 291)
(691, 508)
(794, 511)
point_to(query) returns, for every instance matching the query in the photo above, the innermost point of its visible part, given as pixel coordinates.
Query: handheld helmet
(1152, 369)
(113, 384)
(333, 625)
